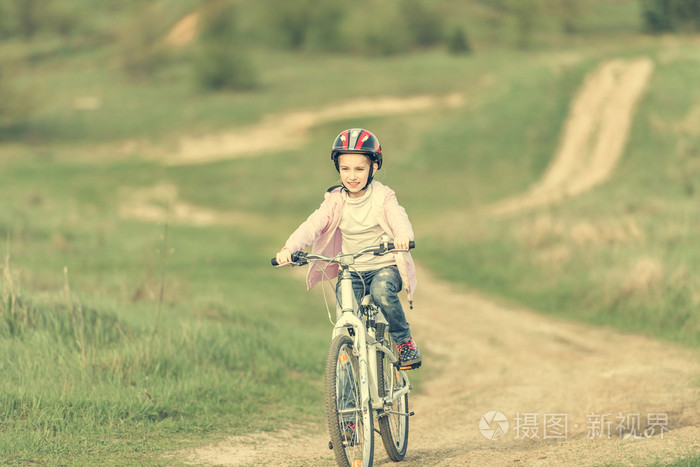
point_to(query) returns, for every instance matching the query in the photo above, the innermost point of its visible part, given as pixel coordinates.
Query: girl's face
(354, 172)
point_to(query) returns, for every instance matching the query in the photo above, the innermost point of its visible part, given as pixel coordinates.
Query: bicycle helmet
(357, 140)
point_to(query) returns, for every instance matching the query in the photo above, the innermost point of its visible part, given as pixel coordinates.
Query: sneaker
(347, 431)
(409, 356)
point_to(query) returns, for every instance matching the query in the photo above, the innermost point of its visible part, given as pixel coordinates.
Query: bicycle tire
(393, 428)
(352, 445)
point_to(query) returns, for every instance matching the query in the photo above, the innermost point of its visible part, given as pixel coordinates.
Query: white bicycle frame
(366, 344)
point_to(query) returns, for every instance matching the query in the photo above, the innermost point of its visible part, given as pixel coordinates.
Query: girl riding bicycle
(354, 215)
(357, 214)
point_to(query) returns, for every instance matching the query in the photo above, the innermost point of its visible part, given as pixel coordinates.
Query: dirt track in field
(571, 394)
(594, 136)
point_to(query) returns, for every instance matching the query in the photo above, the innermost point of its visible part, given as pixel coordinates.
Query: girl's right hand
(284, 256)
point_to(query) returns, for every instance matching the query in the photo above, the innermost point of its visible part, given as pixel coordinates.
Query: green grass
(83, 374)
(239, 346)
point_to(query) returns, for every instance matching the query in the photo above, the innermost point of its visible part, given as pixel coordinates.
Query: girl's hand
(284, 256)
(401, 243)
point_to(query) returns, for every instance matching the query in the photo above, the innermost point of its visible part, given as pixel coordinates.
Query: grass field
(123, 339)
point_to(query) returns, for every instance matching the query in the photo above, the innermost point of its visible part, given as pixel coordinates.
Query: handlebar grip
(411, 245)
(298, 259)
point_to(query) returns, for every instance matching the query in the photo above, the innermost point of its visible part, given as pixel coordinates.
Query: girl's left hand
(401, 242)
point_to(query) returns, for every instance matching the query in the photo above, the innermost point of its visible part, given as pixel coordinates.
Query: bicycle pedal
(411, 367)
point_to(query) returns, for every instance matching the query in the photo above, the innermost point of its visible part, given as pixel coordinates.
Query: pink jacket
(321, 229)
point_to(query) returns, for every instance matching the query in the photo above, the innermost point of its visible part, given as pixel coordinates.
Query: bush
(670, 15)
(326, 31)
(457, 42)
(291, 20)
(221, 63)
(382, 39)
(382, 29)
(219, 67)
(302, 23)
(424, 24)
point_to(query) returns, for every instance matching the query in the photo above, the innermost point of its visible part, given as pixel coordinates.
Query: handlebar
(299, 258)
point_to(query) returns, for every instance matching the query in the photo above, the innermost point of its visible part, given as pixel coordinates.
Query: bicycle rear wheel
(393, 424)
(350, 425)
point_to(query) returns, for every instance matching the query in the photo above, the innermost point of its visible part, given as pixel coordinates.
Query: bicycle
(363, 379)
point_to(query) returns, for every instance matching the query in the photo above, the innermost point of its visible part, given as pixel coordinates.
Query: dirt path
(161, 203)
(485, 357)
(288, 130)
(594, 137)
(184, 31)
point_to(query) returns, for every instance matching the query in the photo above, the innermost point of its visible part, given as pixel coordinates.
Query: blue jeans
(384, 286)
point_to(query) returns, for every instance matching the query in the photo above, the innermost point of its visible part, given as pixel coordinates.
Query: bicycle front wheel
(350, 425)
(393, 423)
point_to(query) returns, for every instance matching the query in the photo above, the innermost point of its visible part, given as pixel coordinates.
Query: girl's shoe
(409, 356)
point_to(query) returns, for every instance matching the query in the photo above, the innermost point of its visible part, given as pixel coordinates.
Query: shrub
(670, 15)
(303, 23)
(221, 63)
(457, 42)
(383, 31)
(325, 33)
(220, 67)
(424, 24)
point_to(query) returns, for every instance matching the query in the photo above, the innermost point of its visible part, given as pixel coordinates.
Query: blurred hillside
(61, 58)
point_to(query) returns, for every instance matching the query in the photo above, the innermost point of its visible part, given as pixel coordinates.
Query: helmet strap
(371, 174)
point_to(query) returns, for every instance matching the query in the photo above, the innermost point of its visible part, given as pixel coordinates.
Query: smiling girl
(355, 215)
